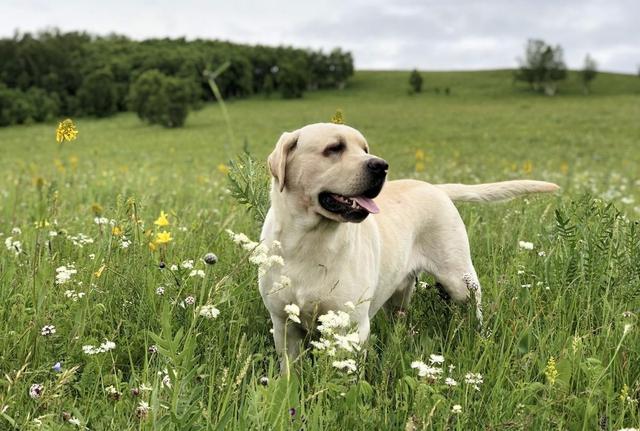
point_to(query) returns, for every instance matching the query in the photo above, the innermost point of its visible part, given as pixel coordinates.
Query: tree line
(542, 68)
(53, 74)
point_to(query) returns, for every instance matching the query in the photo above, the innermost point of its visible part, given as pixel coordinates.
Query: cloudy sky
(382, 34)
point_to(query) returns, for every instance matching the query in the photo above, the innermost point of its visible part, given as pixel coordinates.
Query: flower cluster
(261, 255)
(525, 245)
(64, 273)
(433, 372)
(66, 131)
(80, 240)
(293, 312)
(208, 311)
(13, 245)
(104, 347)
(337, 337)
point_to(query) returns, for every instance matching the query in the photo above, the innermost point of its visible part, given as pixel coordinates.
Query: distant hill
(488, 83)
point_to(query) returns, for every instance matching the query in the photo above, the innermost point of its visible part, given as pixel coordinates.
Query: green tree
(543, 67)
(415, 82)
(588, 73)
(98, 95)
(43, 106)
(146, 96)
(292, 80)
(160, 99)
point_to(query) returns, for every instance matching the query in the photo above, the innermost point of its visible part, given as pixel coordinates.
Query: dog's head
(327, 170)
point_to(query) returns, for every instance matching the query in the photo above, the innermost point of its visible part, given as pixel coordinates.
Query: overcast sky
(382, 34)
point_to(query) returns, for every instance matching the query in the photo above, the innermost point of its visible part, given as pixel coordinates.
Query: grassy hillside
(561, 346)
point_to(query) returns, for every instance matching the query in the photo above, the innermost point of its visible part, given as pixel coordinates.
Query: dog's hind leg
(462, 285)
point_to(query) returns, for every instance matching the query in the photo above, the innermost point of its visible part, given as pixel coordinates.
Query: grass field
(561, 348)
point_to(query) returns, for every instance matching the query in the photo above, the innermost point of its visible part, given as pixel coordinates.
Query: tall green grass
(560, 348)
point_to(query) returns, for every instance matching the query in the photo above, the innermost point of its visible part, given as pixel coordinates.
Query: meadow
(99, 330)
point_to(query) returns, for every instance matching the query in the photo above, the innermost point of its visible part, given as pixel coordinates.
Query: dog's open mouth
(352, 208)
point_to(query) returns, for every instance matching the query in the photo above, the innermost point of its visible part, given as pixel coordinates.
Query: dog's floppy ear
(278, 158)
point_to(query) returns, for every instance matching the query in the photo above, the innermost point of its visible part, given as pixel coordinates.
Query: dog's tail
(491, 192)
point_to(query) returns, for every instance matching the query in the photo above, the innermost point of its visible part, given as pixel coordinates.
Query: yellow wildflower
(163, 237)
(116, 231)
(97, 209)
(420, 167)
(73, 162)
(223, 169)
(420, 155)
(152, 246)
(59, 165)
(551, 371)
(38, 181)
(41, 224)
(338, 117)
(564, 168)
(624, 393)
(98, 273)
(527, 167)
(162, 221)
(66, 131)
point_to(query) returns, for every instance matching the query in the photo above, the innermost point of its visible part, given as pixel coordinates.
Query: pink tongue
(367, 204)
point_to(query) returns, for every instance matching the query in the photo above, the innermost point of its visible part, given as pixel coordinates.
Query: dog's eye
(334, 149)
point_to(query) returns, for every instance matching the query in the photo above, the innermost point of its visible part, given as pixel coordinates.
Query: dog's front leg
(287, 336)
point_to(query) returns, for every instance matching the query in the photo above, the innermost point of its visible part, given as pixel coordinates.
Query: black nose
(377, 166)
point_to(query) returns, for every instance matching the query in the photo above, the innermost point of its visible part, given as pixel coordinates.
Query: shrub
(415, 81)
(160, 99)
(98, 95)
(292, 81)
(43, 106)
(178, 98)
(15, 106)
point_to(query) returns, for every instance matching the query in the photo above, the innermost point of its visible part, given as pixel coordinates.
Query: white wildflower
(525, 245)
(104, 347)
(73, 295)
(474, 379)
(101, 221)
(190, 300)
(125, 243)
(348, 365)
(349, 342)
(542, 253)
(64, 273)
(16, 231)
(74, 421)
(208, 311)
(436, 359)
(53, 233)
(174, 267)
(13, 245)
(457, 409)
(48, 330)
(425, 370)
(187, 264)
(35, 391)
(80, 240)
(332, 320)
(197, 273)
(160, 290)
(293, 312)
(450, 382)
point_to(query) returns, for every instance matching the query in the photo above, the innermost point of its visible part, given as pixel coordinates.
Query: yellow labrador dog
(347, 235)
